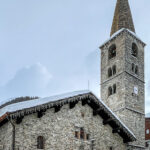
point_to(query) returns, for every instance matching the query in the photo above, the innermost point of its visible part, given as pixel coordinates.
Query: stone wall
(6, 136)
(58, 130)
(125, 103)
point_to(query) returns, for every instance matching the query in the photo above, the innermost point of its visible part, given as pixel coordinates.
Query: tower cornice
(118, 33)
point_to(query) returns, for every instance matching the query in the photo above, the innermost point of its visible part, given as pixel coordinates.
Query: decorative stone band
(86, 98)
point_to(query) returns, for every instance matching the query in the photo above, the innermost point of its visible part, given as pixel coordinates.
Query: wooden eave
(86, 99)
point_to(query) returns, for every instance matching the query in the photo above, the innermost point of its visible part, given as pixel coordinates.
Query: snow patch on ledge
(118, 32)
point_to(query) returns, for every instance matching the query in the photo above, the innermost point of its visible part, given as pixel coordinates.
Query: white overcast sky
(51, 46)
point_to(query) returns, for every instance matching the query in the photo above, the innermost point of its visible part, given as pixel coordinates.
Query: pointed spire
(122, 17)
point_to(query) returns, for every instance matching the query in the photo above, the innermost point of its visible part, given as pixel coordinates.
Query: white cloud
(30, 80)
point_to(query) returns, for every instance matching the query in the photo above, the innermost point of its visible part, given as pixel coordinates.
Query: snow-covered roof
(118, 33)
(31, 106)
(37, 102)
(147, 115)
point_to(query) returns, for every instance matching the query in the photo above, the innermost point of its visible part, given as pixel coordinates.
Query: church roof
(19, 110)
(122, 17)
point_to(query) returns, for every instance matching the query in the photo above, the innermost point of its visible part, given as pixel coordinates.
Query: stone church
(79, 120)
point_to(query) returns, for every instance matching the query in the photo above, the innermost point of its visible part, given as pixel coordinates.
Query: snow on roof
(147, 115)
(37, 102)
(118, 32)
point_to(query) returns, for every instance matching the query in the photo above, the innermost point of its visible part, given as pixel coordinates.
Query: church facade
(79, 120)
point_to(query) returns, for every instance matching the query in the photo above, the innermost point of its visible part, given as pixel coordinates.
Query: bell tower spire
(122, 17)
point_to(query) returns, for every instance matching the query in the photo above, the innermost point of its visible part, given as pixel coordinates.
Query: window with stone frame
(114, 69)
(81, 133)
(40, 142)
(114, 88)
(136, 70)
(110, 91)
(134, 50)
(109, 72)
(133, 66)
(112, 51)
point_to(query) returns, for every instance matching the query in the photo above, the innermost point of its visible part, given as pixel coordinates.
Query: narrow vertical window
(81, 133)
(134, 50)
(109, 72)
(112, 51)
(76, 134)
(132, 67)
(114, 70)
(114, 88)
(136, 70)
(40, 142)
(109, 91)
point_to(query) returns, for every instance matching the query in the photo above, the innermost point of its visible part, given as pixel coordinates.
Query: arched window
(136, 70)
(114, 88)
(114, 70)
(134, 50)
(40, 142)
(132, 67)
(112, 51)
(110, 91)
(109, 72)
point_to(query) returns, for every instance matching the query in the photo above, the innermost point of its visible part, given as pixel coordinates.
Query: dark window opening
(111, 148)
(132, 67)
(40, 142)
(112, 51)
(114, 70)
(134, 50)
(87, 136)
(81, 133)
(109, 72)
(114, 88)
(136, 70)
(76, 134)
(146, 144)
(109, 91)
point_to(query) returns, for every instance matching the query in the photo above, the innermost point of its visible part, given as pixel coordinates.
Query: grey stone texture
(125, 103)
(59, 129)
(122, 17)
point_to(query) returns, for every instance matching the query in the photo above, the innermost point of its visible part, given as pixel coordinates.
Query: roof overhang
(87, 98)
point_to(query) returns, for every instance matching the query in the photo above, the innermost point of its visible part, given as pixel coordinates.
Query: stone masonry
(58, 130)
(125, 103)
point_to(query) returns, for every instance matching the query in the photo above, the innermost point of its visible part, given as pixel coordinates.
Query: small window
(136, 70)
(147, 131)
(109, 72)
(112, 51)
(111, 148)
(40, 142)
(110, 91)
(87, 136)
(114, 88)
(132, 67)
(146, 144)
(81, 133)
(76, 134)
(114, 70)
(134, 50)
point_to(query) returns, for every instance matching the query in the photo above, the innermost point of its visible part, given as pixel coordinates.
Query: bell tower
(122, 73)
